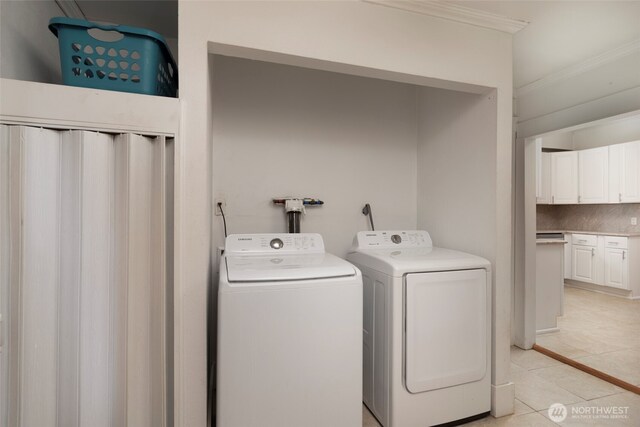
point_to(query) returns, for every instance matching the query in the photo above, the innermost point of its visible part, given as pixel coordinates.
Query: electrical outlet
(217, 203)
(634, 220)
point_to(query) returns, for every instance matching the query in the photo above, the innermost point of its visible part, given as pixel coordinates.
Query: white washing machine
(427, 330)
(289, 334)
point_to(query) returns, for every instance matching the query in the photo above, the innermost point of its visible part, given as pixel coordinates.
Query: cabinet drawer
(584, 239)
(616, 242)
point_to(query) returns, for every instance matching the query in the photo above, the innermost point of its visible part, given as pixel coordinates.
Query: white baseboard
(547, 331)
(620, 293)
(502, 399)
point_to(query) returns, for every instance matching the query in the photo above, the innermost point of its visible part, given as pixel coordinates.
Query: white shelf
(59, 106)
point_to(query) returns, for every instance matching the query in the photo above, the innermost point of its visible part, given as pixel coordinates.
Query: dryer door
(446, 335)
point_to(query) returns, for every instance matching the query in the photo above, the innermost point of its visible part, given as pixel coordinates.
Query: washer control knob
(396, 239)
(276, 243)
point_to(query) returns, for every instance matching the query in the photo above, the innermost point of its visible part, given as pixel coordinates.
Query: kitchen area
(588, 245)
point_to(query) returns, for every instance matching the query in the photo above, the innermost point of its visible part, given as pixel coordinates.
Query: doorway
(579, 187)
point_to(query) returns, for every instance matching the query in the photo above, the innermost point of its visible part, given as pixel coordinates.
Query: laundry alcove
(421, 153)
(423, 157)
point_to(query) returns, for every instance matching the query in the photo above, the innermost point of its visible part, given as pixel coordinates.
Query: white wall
(280, 130)
(457, 197)
(367, 39)
(28, 50)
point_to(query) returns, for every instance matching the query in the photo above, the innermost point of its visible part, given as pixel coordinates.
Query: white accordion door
(82, 286)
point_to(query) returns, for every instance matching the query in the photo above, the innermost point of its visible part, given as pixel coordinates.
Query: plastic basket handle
(104, 27)
(105, 33)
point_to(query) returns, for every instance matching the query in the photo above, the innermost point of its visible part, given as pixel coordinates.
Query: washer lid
(410, 260)
(284, 267)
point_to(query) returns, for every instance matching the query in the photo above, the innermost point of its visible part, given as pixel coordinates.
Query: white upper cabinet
(598, 175)
(624, 173)
(564, 178)
(630, 173)
(593, 172)
(615, 172)
(544, 179)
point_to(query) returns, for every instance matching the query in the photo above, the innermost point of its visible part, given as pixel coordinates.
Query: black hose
(367, 211)
(224, 220)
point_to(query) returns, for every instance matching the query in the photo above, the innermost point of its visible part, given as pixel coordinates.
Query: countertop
(550, 242)
(597, 233)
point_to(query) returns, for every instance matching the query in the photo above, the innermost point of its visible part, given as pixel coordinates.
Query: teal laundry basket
(114, 57)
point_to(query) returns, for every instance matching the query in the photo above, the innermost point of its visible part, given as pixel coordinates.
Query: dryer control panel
(278, 243)
(392, 239)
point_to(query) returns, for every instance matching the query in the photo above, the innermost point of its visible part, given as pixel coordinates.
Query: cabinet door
(584, 263)
(544, 196)
(616, 268)
(593, 172)
(615, 173)
(630, 173)
(564, 178)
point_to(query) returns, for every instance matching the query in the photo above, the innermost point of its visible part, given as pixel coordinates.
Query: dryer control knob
(276, 243)
(396, 239)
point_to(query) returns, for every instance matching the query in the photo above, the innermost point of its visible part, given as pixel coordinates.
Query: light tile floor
(541, 381)
(600, 331)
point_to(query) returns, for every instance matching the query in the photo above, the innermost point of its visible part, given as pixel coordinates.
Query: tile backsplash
(614, 218)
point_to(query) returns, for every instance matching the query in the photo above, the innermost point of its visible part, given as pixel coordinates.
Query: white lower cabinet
(584, 265)
(584, 257)
(616, 268)
(601, 260)
(616, 262)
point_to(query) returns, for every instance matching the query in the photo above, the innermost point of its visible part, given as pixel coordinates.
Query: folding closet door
(82, 291)
(140, 254)
(4, 273)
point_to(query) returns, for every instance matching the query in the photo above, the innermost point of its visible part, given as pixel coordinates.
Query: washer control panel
(392, 239)
(274, 243)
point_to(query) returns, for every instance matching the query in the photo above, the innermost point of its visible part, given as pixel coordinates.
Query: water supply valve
(294, 207)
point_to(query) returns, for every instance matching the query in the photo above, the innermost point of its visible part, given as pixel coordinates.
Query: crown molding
(452, 12)
(71, 9)
(581, 67)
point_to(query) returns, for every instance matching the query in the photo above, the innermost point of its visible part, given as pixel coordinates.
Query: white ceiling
(563, 33)
(560, 33)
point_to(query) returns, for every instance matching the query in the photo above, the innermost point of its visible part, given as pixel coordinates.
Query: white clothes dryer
(427, 330)
(289, 334)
